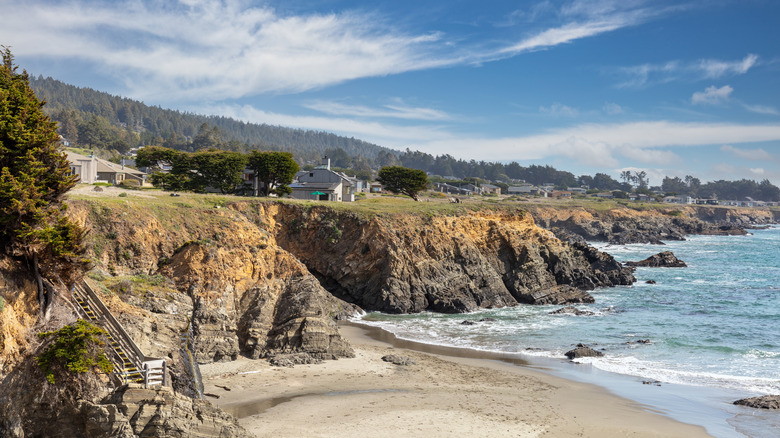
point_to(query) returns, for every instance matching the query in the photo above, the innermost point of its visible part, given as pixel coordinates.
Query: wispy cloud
(714, 69)
(712, 95)
(398, 110)
(748, 154)
(613, 109)
(762, 109)
(559, 110)
(216, 49)
(227, 49)
(583, 19)
(650, 74)
(600, 144)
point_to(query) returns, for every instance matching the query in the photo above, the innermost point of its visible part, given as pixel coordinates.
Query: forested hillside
(111, 126)
(99, 120)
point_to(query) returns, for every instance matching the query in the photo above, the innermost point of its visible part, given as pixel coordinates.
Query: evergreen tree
(403, 180)
(34, 176)
(274, 169)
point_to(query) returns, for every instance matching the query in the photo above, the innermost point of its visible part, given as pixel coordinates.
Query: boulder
(664, 259)
(571, 310)
(583, 351)
(558, 295)
(398, 360)
(762, 402)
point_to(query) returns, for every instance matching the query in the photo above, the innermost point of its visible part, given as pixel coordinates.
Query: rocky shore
(653, 225)
(198, 280)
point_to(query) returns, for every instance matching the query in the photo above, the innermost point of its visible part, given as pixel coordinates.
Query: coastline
(448, 391)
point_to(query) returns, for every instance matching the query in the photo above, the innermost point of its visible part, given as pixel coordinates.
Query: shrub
(123, 195)
(76, 348)
(130, 183)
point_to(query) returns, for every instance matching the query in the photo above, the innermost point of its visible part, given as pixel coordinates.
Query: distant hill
(96, 119)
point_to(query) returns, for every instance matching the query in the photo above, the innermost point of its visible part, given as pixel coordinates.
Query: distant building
(490, 189)
(92, 169)
(561, 194)
(323, 184)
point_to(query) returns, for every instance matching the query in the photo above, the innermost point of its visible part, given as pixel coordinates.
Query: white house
(92, 169)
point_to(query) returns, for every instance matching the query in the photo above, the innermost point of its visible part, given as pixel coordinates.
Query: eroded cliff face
(260, 278)
(401, 263)
(194, 282)
(626, 225)
(222, 273)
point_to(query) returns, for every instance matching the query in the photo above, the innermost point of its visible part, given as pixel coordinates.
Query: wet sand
(447, 392)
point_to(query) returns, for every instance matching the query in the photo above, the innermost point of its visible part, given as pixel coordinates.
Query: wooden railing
(130, 363)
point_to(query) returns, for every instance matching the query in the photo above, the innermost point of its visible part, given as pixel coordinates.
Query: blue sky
(669, 87)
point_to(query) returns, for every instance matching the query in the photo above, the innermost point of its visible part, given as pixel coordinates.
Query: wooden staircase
(130, 364)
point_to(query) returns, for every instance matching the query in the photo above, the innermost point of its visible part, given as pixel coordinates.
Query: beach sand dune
(437, 396)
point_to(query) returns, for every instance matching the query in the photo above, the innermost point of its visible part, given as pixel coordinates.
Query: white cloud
(747, 154)
(648, 74)
(715, 68)
(215, 49)
(712, 95)
(593, 153)
(386, 134)
(757, 171)
(651, 142)
(650, 156)
(559, 110)
(762, 109)
(397, 110)
(613, 109)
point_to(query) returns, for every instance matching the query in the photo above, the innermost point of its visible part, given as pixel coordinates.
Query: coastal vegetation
(34, 176)
(403, 180)
(74, 348)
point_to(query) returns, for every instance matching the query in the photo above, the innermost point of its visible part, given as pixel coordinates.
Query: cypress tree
(34, 176)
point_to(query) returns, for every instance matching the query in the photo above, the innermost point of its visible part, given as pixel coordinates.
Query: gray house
(323, 184)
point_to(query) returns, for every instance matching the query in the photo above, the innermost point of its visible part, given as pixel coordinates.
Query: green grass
(431, 203)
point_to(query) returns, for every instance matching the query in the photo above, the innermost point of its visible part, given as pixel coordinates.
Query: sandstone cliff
(198, 279)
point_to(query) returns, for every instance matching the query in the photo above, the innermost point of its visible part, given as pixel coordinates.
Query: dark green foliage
(139, 124)
(403, 180)
(273, 169)
(34, 175)
(196, 171)
(217, 169)
(75, 348)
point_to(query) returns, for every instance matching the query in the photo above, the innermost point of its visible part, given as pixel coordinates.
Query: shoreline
(447, 391)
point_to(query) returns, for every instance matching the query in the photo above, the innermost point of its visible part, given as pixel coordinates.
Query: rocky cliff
(198, 279)
(622, 224)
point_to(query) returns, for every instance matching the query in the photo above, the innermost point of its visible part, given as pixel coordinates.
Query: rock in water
(763, 402)
(664, 259)
(571, 310)
(583, 351)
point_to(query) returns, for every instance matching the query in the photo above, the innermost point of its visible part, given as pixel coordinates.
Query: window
(311, 174)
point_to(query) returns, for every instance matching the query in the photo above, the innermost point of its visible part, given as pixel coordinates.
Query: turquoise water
(714, 325)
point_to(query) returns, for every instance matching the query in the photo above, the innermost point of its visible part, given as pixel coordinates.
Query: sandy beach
(438, 396)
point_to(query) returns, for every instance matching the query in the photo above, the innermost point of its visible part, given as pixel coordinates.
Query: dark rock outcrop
(665, 259)
(762, 402)
(290, 360)
(582, 351)
(571, 310)
(624, 225)
(451, 264)
(398, 360)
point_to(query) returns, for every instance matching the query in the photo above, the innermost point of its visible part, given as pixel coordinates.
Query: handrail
(153, 369)
(112, 321)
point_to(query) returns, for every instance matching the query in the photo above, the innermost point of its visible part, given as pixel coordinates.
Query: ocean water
(713, 327)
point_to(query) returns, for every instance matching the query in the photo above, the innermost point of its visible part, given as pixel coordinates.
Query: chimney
(326, 162)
